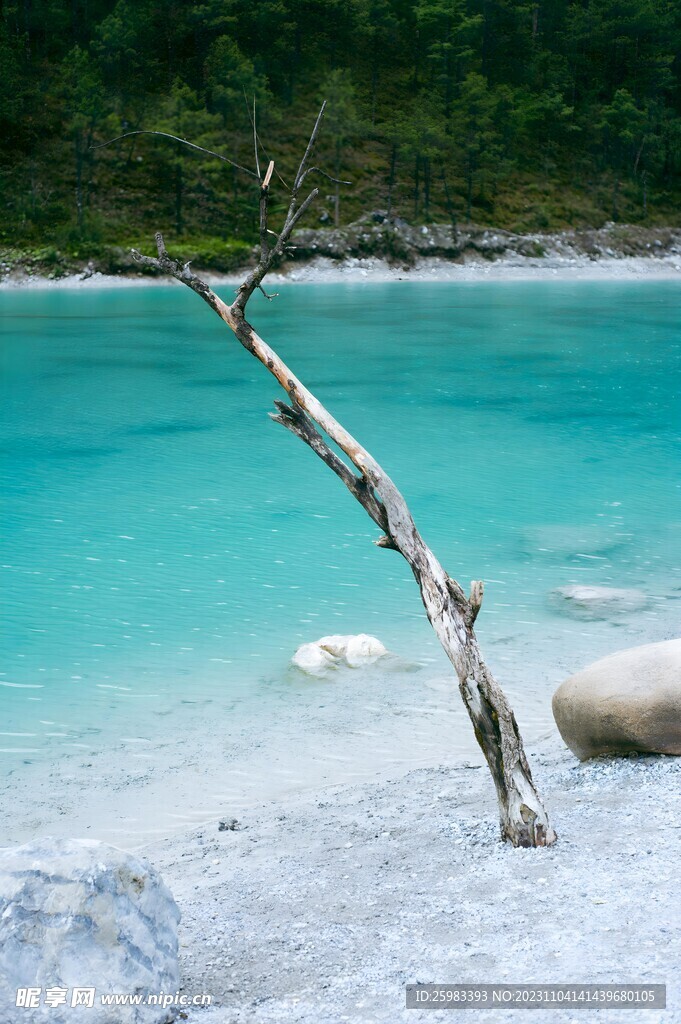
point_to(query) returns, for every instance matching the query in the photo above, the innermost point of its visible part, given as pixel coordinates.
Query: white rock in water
(336, 645)
(364, 650)
(81, 914)
(586, 602)
(313, 660)
(630, 701)
(318, 658)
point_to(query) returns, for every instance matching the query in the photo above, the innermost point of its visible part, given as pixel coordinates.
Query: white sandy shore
(322, 910)
(351, 271)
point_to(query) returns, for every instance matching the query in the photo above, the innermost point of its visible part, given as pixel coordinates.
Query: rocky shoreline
(401, 244)
(388, 250)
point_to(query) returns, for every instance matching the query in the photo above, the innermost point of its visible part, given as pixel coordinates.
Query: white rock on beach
(317, 658)
(585, 602)
(81, 914)
(630, 701)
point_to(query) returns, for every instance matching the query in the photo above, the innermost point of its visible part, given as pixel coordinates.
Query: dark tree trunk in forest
(448, 199)
(235, 189)
(486, 36)
(391, 180)
(374, 82)
(78, 142)
(469, 188)
(417, 185)
(89, 167)
(26, 6)
(336, 195)
(448, 76)
(179, 187)
(524, 821)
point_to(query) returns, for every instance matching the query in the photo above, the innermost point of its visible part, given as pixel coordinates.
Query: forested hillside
(526, 114)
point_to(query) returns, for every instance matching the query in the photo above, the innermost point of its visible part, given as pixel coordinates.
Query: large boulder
(81, 915)
(329, 652)
(586, 602)
(630, 701)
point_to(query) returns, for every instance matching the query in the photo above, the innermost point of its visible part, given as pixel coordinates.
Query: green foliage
(11, 82)
(229, 78)
(206, 253)
(343, 125)
(522, 113)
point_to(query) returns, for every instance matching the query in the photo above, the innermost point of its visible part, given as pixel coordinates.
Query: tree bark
(524, 821)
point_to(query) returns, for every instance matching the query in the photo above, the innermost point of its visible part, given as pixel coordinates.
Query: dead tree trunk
(524, 821)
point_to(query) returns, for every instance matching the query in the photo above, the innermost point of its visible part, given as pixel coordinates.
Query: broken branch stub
(524, 821)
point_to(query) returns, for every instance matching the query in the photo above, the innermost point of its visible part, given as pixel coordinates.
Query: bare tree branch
(255, 143)
(296, 210)
(295, 419)
(475, 600)
(264, 149)
(524, 821)
(318, 170)
(191, 145)
(309, 148)
(268, 174)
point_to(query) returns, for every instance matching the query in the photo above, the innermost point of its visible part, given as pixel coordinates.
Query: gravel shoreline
(325, 907)
(355, 270)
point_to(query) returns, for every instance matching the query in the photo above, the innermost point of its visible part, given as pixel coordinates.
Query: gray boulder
(630, 701)
(78, 914)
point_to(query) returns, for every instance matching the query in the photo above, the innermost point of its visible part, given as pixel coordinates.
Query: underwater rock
(630, 701)
(572, 541)
(82, 915)
(585, 602)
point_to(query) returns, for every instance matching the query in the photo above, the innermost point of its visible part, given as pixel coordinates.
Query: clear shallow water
(166, 547)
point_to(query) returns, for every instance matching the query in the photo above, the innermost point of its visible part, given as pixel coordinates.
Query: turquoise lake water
(165, 544)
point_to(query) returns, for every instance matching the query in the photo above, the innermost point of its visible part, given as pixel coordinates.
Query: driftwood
(524, 821)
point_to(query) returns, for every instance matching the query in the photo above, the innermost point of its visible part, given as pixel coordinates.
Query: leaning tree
(452, 614)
